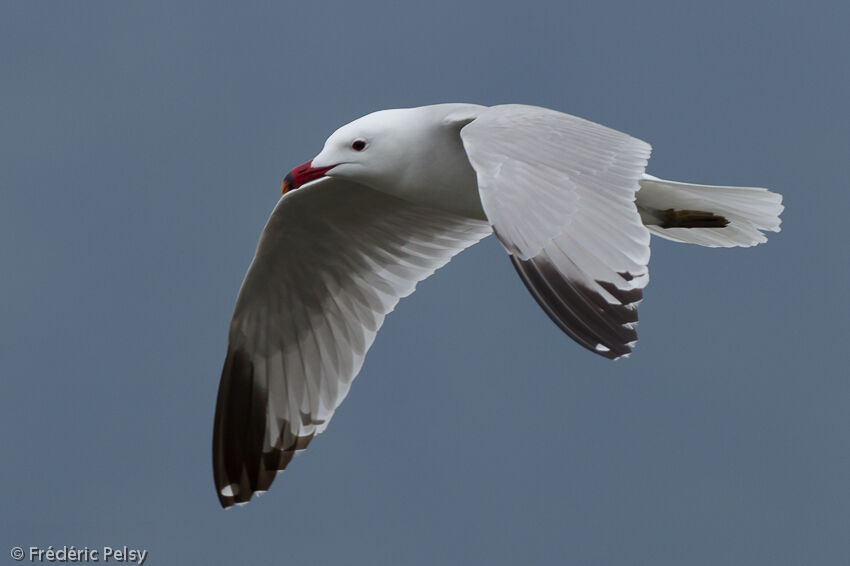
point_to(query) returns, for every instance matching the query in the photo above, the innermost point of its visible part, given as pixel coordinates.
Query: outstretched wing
(559, 192)
(334, 259)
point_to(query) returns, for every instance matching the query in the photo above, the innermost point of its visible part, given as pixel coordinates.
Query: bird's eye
(358, 145)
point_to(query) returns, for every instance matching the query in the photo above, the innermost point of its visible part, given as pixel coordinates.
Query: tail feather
(666, 206)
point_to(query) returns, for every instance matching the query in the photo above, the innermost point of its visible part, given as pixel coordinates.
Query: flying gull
(391, 198)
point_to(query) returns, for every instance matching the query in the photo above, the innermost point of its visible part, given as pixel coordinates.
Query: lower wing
(334, 259)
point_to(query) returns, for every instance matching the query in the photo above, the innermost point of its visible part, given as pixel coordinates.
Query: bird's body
(392, 197)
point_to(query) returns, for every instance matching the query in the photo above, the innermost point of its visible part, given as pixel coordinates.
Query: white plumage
(394, 196)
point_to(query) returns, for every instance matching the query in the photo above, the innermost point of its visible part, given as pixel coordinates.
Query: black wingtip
(581, 312)
(242, 464)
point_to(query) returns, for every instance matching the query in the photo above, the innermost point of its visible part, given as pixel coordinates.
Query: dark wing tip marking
(580, 311)
(242, 465)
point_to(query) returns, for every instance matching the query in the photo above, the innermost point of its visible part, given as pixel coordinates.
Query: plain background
(141, 150)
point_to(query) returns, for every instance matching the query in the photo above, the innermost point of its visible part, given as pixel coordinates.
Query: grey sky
(141, 150)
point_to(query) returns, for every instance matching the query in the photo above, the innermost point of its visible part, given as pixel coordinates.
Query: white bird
(392, 197)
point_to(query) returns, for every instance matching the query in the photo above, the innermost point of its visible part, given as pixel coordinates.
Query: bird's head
(374, 150)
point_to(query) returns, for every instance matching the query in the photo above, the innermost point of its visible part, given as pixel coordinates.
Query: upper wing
(559, 192)
(334, 259)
